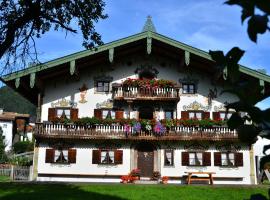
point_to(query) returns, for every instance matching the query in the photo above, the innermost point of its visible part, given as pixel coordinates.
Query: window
(168, 158)
(195, 159)
(227, 159)
(168, 114)
(61, 156)
(223, 116)
(102, 86)
(107, 157)
(108, 114)
(4, 125)
(188, 88)
(63, 113)
(195, 115)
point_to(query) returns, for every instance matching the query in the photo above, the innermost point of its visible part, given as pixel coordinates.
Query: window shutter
(72, 155)
(216, 115)
(96, 156)
(74, 114)
(98, 113)
(206, 158)
(217, 159)
(184, 115)
(49, 158)
(118, 156)
(51, 114)
(206, 115)
(185, 158)
(238, 159)
(119, 114)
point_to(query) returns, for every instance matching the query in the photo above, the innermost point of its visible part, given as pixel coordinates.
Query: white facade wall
(7, 127)
(59, 89)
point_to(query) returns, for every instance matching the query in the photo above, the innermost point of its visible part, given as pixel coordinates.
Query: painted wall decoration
(195, 106)
(83, 92)
(228, 147)
(212, 95)
(105, 104)
(196, 146)
(64, 103)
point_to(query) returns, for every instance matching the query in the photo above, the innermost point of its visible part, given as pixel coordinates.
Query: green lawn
(4, 178)
(25, 191)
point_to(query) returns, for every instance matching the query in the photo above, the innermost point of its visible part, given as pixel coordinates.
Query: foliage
(257, 12)
(159, 129)
(248, 92)
(11, 101)
(137, 127)
(3, 156)
(21, 22)
(156, 175)
(164, 178)
(23, 146)
(161, 83)
(20, 161)
(30, 191)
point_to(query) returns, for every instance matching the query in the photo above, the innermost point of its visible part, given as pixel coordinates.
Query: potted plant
(164, 179)
(156, 176)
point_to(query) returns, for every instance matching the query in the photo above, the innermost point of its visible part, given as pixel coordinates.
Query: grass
(30, 191)
(4, 178)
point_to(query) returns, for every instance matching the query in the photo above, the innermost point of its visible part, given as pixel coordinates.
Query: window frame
(195, 112)
(107, 152)
(63, 108)
(172, 157)
(227, 156)
(102, 87)
(226, 115)
(193, 152)
(188, 89)
(171, 113)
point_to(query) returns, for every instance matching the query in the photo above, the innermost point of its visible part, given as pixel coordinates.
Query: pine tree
(3, 156)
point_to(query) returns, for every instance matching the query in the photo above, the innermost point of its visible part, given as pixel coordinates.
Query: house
(146, 102)
(11, 124)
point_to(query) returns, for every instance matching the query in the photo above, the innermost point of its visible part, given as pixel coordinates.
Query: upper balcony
(121, 132)
(143, 89)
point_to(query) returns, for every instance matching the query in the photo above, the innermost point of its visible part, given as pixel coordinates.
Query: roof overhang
(106, 53)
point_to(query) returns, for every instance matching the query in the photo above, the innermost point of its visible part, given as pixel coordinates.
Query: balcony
(92, 132)
(143, 93)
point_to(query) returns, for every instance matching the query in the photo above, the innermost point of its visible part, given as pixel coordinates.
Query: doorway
(145, 159)
(146, 112)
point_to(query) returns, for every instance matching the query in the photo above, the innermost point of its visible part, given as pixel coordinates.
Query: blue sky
(205, 24)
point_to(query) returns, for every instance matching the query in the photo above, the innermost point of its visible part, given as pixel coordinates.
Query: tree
(257, 13)
(3, 156)
(22, 21)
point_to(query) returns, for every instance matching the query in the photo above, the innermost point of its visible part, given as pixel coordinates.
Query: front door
(146, 162)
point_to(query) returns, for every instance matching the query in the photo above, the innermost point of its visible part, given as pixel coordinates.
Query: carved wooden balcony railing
(45, 130)
(144, 93)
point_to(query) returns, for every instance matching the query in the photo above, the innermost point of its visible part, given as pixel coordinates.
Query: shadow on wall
(50, 191)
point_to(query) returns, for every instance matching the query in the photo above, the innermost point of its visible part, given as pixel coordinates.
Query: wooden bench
(208, 178)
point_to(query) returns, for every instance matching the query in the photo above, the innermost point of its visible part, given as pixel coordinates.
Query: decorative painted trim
(32, 79)
(196, 146)
(72, 67)
(61, 144)
(64, 103)
(225, 73)
(228, 147)
(111, 54)
(107, 145)
(149, 45)
(105, 104)
(263, 86)
(17, 82)
(195, 106)
(187, 58)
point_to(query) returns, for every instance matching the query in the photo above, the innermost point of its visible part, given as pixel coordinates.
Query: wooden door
(146, 162)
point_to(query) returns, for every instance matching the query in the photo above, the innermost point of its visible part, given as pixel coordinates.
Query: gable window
(227, 159)
(168, 158)
(195, 115)
(188, 88)
(63, 113)
(196, 159)
(168, 114)
(102, 86)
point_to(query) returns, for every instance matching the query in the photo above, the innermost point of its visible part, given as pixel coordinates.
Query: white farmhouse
(143, 102)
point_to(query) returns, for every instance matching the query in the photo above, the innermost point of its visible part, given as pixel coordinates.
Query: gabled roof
(147, 34)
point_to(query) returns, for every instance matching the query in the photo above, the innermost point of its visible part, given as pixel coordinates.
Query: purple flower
(137, 127)
(159, 129)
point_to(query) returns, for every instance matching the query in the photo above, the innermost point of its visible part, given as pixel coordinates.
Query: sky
(205, 24)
